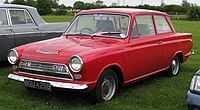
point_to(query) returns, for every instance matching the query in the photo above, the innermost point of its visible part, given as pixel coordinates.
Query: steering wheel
(87, 29)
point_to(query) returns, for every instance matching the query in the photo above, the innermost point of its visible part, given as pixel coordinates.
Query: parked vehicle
(193, 95)
(101, 50)
(22, 24)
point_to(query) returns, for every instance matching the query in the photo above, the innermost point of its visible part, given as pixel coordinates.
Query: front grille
(45, 69)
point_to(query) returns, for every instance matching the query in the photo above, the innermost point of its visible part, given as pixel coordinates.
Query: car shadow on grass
(60, 96)
(4, 64)
(144, 82)
(5, 69)
(79, 98)
(71, 98)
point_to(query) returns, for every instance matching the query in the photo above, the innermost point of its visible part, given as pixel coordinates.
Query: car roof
(123, 10)
(15, 6)
(32, 10)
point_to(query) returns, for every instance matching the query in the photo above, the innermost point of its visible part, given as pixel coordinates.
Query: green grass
(52, 18)
(155, 93)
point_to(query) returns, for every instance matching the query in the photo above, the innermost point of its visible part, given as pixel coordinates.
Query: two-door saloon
(101, 50)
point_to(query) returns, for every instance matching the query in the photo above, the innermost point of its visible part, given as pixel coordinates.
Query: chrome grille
(45, 68)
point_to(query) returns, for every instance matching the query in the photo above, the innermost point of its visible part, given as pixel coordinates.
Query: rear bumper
(61, 85)
(193, 100)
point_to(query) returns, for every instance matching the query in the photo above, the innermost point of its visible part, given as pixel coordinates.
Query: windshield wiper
(78, 34)
(105, 33)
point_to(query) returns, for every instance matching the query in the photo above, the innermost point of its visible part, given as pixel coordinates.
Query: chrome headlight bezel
(72, 66)
(195, 83)
(16, 55)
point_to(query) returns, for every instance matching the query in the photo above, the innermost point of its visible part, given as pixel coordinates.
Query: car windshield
(105, 25)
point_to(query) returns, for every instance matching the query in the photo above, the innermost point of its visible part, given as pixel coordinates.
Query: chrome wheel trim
(108, 87)
(175, 66)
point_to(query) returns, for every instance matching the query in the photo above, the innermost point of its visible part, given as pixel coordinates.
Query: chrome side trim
(7, 34)
(51, 31)
(24, 33)
(42, 32)
(53, 83)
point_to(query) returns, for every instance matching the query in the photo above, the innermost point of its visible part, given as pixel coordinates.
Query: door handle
(160, 42)
(36, 28)
(9, 29)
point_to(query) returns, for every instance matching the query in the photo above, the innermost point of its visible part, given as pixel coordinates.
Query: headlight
(12, 56)
(76, 63)
(195, 84)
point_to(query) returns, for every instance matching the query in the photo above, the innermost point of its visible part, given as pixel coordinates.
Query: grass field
(155, 93)
(52, 18)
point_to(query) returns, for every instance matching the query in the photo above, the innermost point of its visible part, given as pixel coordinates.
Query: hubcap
(175, 66)
(108, 88)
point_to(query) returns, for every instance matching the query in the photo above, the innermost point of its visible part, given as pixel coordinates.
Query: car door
(145, 47)
(164, 30)
(6, 35)
(24, 27)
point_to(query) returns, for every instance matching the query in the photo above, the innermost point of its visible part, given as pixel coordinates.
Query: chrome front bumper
(53, 83)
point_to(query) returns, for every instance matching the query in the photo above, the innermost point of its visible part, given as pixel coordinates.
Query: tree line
(191, 10)
(52, 7)
(44, 7)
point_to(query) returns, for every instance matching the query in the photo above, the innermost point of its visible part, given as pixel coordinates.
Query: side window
(162, 25)
(19, 17)
(145, 25)
(134, 31)
(28, 18)
(3, 19)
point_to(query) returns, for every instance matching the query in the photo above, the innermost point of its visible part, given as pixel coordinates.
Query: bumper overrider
(54, 84)
(193, 100)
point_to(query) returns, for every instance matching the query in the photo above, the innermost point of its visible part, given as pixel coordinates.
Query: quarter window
(3, 19)
(19, 17)
(145, 25)
(162, 25)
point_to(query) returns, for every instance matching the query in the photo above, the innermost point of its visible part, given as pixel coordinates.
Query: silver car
(22, 24)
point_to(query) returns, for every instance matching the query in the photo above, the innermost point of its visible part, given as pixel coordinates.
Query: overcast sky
(127, 2)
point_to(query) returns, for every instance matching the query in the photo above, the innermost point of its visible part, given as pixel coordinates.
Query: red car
(101, 50)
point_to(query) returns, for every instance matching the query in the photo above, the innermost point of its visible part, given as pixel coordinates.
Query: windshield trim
(123, 14)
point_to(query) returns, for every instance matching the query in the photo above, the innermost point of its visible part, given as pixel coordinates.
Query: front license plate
(37, 84)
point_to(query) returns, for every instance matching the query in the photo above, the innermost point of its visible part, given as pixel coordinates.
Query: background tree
(99, 2)
(79, 5)
(185, 3)
(194, 13)
(44, 7)
(32, 3)
(62, 10)
(62, 6)
(20, 2)
(6, 2)
(54, 4)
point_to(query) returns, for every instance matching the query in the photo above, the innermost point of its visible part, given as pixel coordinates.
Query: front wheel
(175, 67)
(106, 86)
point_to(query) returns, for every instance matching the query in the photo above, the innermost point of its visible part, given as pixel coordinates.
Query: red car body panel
(137, 57)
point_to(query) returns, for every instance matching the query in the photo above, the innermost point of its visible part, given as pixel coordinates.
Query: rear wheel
(175, 67)
(106, 86)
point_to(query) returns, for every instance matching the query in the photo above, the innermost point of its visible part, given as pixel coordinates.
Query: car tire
(106, 87)
(189, 107)
(174, 68)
